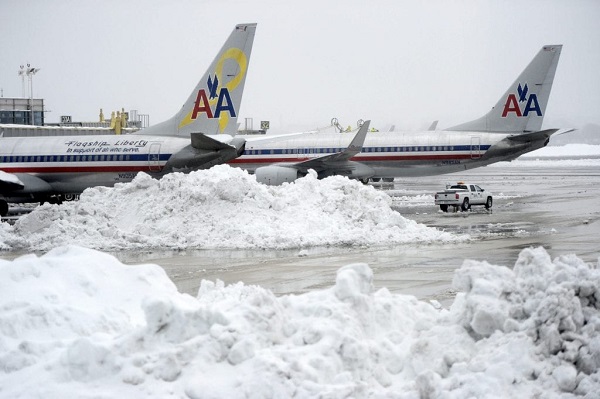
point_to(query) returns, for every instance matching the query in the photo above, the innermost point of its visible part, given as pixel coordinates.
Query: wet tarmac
(554, 207)
(557, 207)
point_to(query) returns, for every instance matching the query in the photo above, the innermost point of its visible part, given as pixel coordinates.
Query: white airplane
(39, 169)
(510, 129)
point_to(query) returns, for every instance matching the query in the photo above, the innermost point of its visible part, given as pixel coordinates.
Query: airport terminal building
(22, 111)
(24, 117)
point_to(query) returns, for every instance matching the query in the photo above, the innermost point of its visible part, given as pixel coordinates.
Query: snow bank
(222, 207)
(5, 236)
(77, 323)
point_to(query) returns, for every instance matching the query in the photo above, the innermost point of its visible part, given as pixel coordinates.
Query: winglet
(356, 145)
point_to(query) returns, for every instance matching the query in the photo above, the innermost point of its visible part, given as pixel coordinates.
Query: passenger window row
(64, 158)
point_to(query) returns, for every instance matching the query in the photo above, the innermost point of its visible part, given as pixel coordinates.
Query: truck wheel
(444, 208)
(3, 208)
(465, 205)
(488, 203)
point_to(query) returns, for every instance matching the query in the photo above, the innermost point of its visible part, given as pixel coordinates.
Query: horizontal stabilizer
(563, 131)
(533, 136)
(200, 141)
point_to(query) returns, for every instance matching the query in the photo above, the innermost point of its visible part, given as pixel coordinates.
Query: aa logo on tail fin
(512, 103)
(212, 86)
(204, 105)
(214, 100)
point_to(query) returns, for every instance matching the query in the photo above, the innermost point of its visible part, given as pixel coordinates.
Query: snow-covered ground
(75, 322)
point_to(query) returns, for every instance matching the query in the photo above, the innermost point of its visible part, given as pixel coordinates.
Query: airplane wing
(327, 165)
(326, 161)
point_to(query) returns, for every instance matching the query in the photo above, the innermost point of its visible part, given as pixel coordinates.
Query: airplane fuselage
(392, 154)
(70, 164)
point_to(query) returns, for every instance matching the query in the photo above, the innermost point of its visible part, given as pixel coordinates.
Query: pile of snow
(5, 235)
(222, 207)
(77, 323)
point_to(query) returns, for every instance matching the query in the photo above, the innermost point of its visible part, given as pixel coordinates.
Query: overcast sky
(393, 61)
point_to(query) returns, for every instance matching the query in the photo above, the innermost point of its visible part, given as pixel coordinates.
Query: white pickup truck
(463, 195)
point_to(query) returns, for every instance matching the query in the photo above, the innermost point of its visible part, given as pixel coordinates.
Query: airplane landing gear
(3, 208)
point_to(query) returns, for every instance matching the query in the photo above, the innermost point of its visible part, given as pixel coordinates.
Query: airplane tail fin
(523, 106)
(214, 104)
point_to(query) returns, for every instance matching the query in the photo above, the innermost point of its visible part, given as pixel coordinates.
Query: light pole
(22, 75)
(30, 71)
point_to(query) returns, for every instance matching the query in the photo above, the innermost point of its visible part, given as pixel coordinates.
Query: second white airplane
(510, 129)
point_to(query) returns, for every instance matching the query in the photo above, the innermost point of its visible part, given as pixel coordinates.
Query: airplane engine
(275, 175)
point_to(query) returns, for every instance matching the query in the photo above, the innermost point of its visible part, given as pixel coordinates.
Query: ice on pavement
(222, 207)
(76, 322)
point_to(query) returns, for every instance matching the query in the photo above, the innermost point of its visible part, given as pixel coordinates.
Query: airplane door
(475, 147)
(154, 157)
(310, 152)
